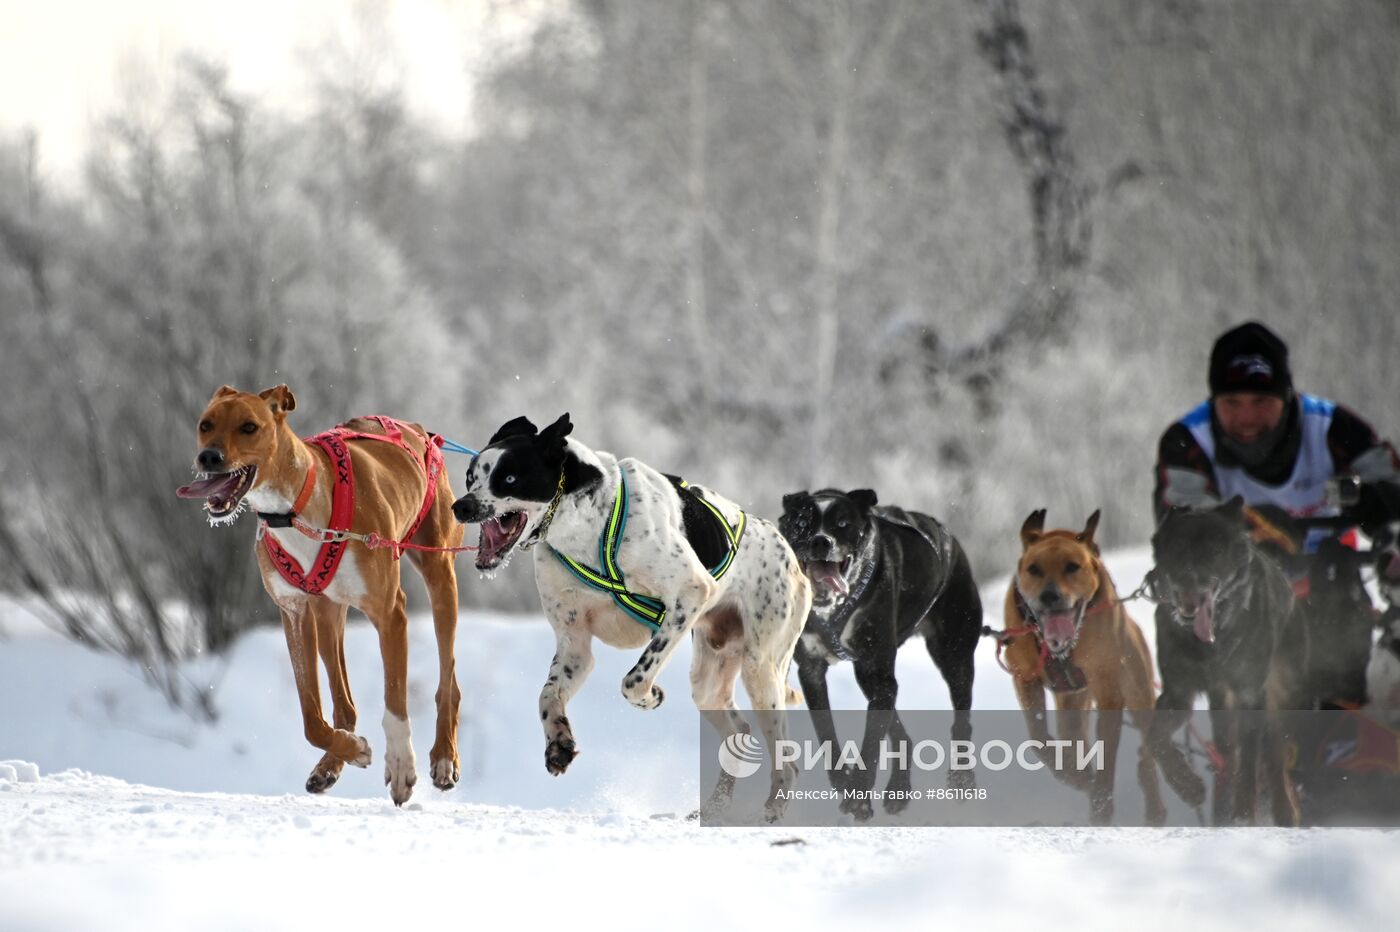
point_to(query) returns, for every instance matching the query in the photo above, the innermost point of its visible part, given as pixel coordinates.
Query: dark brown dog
(250, 456)
(1067, 630)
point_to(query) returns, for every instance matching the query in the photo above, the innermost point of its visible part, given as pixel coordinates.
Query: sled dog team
(638, 559)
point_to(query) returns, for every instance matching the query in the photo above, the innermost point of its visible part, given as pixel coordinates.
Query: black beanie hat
(1250, 358)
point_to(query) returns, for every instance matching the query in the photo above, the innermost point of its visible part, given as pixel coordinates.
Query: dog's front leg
(1110, 733)
(573, 661)
(877, 683)
(690, 601)
(390, 617)
(1030, 693)
(330, 641)
(1173, 710)
(1249, 733)
(299, 625)
(1225, 735)
(441, 581)
(811, 674)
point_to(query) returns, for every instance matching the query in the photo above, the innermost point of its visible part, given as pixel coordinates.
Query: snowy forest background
(971, 254)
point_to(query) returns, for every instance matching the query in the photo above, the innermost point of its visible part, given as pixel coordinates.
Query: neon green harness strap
(646, 609)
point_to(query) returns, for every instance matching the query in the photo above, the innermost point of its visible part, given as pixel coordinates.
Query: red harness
(1005, 637)
(334, 442)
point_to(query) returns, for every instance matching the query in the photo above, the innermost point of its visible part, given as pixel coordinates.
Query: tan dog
(374, 477)
(1067, 630)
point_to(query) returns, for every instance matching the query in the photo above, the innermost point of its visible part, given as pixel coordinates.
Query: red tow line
(1005, 637)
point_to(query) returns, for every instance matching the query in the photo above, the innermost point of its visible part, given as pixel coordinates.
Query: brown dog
(1066, 629)
(381, 481)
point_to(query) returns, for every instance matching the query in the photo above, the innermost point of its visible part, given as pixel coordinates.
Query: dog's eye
(510, 480)
(1071, 567)
(842, 523)
(1035, 570)
(249, 428)
(205, 427)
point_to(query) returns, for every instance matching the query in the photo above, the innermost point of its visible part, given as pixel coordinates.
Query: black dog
(1332, 604)
(1226, 627)
(879, 574)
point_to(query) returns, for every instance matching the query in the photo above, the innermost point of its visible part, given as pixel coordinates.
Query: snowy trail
(206, 825)
(81, 851)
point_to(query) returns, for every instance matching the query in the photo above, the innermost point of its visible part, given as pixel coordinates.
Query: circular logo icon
(741, 755)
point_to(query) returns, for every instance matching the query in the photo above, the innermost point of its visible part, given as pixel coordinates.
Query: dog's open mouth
(1198, 607)
(222, 492)
(1061, 629)
(828, 578)
(498, 535)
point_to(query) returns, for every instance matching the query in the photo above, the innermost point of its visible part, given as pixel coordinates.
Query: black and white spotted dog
(1383, 670)
(533, 486)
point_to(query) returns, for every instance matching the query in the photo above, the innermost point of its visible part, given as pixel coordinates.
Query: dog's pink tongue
(829, 575)
(1204, 623)
(493, 536)
(1059, 626)
(1392, 569)
(208, 488)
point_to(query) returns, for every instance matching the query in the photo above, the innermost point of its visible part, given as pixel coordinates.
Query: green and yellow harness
(646, 609)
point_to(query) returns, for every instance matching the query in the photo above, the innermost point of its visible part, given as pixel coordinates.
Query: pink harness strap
(334, 442)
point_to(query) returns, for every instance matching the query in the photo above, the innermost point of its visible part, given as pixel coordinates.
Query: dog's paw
(1191, 788)
(446, 773)
(400, 785)
(641, 695)
(1082, 780)
(321, 779)
(1101, 811)
(365, 755)
(400, 776)
(962, 780)
(859, 807)
(773, 810)
(559, 754)
(1185, 782)
(716, 806)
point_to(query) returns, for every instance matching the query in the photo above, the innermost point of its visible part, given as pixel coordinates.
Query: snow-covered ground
(117, 813)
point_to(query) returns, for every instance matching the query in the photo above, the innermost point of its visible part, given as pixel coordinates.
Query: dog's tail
(793, 697)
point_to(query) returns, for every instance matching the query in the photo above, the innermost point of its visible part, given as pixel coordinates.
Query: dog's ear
(554, 434)
(1086, 536)
(1233, 510)
(223, 392)
(793, 500)
(1168, 514)
(865, 499)
(578, 474)
(515, 427)
(280, 399)
(1030, 530)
